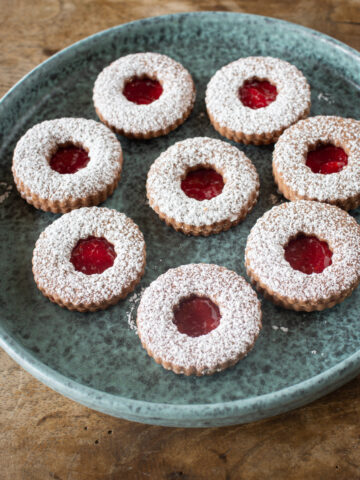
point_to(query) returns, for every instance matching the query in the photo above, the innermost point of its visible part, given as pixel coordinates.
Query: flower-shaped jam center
(69, 159)
(196, 316)
(327, 159)
(93, 255)
(257, 93)
(202, 184)
(308, 254)
(142, 91)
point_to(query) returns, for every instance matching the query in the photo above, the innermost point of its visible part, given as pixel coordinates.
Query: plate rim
(199, 414)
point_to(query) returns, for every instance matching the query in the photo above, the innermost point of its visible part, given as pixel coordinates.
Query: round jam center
(203, 184)
(93, 255)
(142, 90)
(69, 159)
(257, 93)
(197, 316)
(308, 254)
(327, 159)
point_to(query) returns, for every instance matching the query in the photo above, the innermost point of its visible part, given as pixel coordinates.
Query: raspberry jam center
(327, 159)
(197, 316)
(69, 159)
(93, 255)
(308, 254)
(142, 90)
(202, 184)
(257, 93)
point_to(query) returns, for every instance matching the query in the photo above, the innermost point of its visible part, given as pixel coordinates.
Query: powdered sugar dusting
(54, 272)
(283, 329)
(35, 148)
(291, 150)
(131, 313)
(177, 97)
(292, 101)
(265, 250)
(239, 307)
(325, 97)
(165, 175)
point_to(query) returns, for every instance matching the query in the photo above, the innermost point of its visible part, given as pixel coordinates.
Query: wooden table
(44, 435)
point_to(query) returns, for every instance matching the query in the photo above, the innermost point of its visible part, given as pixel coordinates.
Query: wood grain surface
(45, 436)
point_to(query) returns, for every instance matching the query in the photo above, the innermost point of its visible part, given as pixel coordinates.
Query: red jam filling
(69, 159)
(197, 316)
(202, 184)
(93, 255)
(257, 93)
(327, 159)
(142, 90)
(308, 254)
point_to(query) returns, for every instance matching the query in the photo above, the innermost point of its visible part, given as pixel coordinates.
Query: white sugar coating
(178, 94)
(239, 307)
(264, 251)
(325, 97)
(225, 106)
(293, 145)
(131, 313)
(35, 149)
(165, 175)
(283, 329)
(55, 273)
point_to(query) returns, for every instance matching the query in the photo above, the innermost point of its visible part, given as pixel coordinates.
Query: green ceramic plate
(96, 359)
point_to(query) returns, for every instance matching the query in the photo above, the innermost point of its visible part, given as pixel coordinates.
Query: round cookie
(89, 259)
(166, 190)
(333, 175)
(231, 339)
(144, 95)
(67, 163)
(304, 255)
(257, 122)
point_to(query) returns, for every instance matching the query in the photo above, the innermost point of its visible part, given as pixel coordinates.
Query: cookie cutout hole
(142, 90)
(69, 158)
(308, 254)
(326, 159)
(202, 183)
(93, 255)
(196, 316)
(257, 93)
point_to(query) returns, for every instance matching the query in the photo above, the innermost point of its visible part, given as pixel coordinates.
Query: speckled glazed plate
(96, 358)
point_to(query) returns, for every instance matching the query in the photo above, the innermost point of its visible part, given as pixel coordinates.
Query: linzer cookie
(304, 255)
(254, 99)
(89, 259)
(319, 159)
(62, 164)
(198, 319)
(202, 186)
(144, 95)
